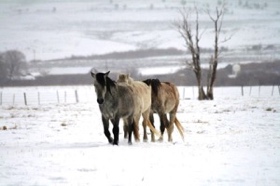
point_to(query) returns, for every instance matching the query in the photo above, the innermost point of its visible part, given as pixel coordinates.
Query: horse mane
(168, 83)
(108, 83)
(155, 83)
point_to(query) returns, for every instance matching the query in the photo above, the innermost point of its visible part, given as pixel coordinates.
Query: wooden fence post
(65, 96)
(193, 91)
(77, 97)
(57, 96)
(272, 90)
(279, 89)
(259, 90)
(14, 99)
(242, 92)
(250, 90)
(39, 101)
(25, 101)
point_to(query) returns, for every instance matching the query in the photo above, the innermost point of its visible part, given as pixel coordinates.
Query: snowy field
(233, 140)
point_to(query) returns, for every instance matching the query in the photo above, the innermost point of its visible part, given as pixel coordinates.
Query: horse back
(126, 100)
(167, 97)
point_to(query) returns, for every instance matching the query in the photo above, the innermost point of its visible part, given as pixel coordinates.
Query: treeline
(266, 73)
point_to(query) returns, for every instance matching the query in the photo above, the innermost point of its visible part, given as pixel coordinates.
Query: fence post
(39, 101)
(65, 96)
(77, 97)
(259, 90)
(25, 101)
(0, 98)
(242, 92)
(57, 96)
(184, 92)
(13, 99)
(272, 90)
(279, 89)
(193, 91)
(250, 90)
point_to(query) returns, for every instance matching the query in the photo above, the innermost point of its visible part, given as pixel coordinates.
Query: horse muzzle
(100, 101)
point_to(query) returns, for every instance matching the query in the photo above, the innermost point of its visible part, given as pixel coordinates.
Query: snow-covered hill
(57, 29)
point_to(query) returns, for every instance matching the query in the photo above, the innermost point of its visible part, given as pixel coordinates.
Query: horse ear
(93, 72)
(107, 73)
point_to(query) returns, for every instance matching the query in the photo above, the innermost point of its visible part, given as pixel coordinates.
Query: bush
(12, 64)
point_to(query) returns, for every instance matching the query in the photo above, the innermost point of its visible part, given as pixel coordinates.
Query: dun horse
(115, 101)
(165, 99)
(143, 92)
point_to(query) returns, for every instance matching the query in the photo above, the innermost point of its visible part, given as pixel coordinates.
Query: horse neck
(112, 91)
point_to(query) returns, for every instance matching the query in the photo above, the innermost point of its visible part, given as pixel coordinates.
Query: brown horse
(143, 92)
(165, 99)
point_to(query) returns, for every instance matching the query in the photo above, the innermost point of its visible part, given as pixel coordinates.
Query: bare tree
(217, 19)
(192, 43)
(185, 29)
(12, 63)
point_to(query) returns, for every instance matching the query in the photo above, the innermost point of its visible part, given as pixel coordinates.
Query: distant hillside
(266, 73)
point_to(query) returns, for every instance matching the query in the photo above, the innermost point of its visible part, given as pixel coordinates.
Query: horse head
(102, 84)
(124, 78)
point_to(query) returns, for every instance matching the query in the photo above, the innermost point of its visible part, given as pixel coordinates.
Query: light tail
(152, 128)
(180, 128)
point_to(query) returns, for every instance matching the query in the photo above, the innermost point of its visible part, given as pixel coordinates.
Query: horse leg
(151, 117)
(136, 127)
(144, 124)
(131, 124)
(163, 123)
(170, 127)
(125, 129)
(145, 137)
(116, 129)
(106, 129)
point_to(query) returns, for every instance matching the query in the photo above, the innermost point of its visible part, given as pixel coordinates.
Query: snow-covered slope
(57, 29)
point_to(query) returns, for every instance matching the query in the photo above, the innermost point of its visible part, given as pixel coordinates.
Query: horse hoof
(111, 140)
(145, 140)
(160, 139)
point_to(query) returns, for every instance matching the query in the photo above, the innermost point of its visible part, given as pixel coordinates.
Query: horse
(165, 99)
(143, 92)
(115, 101)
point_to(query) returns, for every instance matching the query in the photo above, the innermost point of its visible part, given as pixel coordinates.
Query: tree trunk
(213, 64)
(210, 93)
(201, 93)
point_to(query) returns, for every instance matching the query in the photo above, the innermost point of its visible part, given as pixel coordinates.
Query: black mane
(108, 83)
(155, 83)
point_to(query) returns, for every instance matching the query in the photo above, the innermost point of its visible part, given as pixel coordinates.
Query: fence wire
(84, 94)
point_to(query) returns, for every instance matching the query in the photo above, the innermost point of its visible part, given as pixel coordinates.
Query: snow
(232, 140)
(98, 27)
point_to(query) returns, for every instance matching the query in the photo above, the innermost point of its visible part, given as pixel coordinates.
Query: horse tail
(179, 127)
(136, 131)
(152, 128)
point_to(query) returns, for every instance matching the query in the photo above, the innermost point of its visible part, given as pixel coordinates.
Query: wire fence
(84, 94)
(46, 95)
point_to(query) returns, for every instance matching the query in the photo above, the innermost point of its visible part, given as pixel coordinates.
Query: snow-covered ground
(233, 140)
